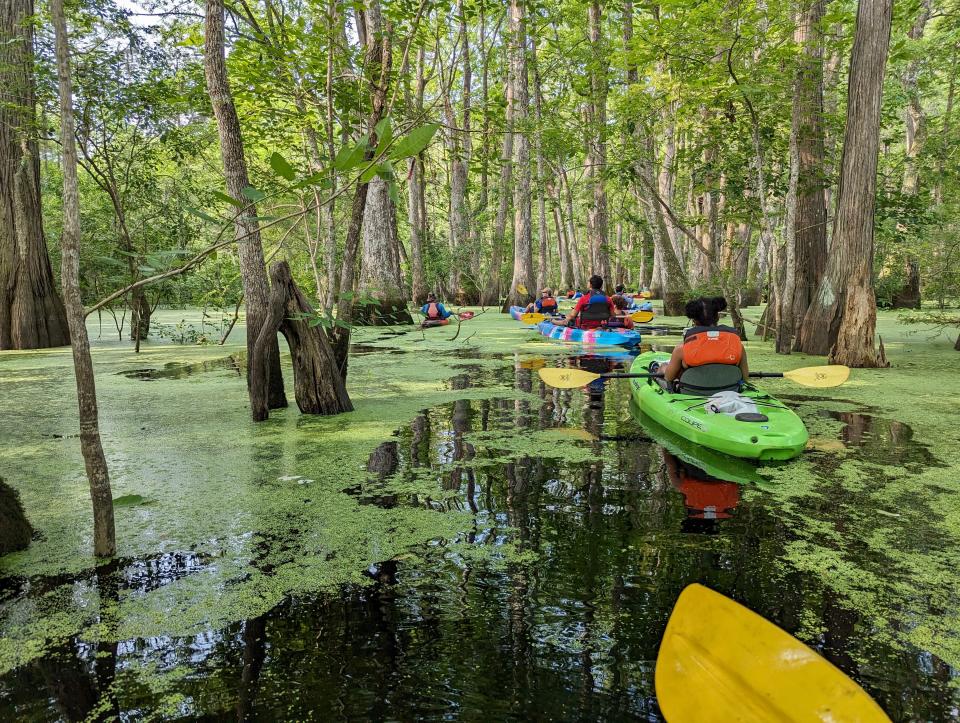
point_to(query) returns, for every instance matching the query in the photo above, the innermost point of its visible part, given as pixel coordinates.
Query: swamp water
(468, 543)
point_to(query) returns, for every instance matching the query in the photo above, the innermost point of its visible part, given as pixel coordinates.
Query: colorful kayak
(778, 434)
(605, 337)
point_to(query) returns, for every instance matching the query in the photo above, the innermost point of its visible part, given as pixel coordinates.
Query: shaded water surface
(550, 607)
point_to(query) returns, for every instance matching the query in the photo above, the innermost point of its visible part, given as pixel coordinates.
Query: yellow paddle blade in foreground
(566, 378)
(641, 317)
(531, 318)
(832, 375)
(719, 661)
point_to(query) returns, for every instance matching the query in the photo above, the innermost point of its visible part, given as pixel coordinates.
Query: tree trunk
(522, 286)
(380, 295)
(573, 244)
(253, 270)
(491, 292)
(329, 216)
(596, 161)
(543, 255)
(908, 295)
(378, 63)
(415, 191)
(318, 385)
(806, 233)
(32, 316)
(104, 535)
(842, 317)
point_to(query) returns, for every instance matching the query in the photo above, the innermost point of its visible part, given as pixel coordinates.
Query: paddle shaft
(758, 375)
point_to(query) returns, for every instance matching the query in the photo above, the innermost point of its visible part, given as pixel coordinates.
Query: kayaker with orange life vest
(707, 342)
(546, 304)
(433, 310)
(593, 309)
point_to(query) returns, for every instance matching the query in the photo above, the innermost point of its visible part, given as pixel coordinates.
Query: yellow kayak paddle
(832, 375)
(721, 662)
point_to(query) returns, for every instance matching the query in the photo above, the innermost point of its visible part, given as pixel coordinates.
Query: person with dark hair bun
(707, 342)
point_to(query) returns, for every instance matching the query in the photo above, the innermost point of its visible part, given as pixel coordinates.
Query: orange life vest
(548, 304)
(433, 312)
(711, 345)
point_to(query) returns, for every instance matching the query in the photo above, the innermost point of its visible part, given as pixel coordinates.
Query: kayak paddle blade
(642, 317)
(832, 375)
(719, 661)
(532, 318)
(566, 378)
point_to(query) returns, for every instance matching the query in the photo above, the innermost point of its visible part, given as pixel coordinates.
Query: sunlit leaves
(282, 167)
(414, 142)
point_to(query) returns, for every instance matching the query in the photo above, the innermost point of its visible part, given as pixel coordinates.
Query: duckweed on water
(534, 539)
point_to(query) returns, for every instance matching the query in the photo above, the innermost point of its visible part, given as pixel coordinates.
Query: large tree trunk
(596, 162)
(318, 385)
(329, 215)
(522, 285)
(415, 189)
(32, 315)
(842, 317)
(380, 295)
(806, 233)
(104, 535)
(491, 291)
(253, 270)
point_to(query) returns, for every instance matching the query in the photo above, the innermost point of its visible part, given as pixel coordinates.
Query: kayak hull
(604, 337)
(783, 436)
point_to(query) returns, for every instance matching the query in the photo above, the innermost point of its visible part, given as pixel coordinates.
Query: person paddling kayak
(433, 310)
(707, 342)
(593, 309)
(546, 304)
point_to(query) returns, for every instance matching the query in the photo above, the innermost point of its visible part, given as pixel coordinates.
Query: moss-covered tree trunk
(32, 316)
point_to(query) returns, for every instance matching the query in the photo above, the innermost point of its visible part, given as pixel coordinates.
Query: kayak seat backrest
(707, 379)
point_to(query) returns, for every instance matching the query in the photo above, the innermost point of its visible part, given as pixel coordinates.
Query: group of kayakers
(706, 342)
(593, 310)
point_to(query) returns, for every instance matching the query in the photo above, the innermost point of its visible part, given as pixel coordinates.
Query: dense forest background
(500, 148)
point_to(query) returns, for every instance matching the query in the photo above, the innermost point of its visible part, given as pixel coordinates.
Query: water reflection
(550, 607)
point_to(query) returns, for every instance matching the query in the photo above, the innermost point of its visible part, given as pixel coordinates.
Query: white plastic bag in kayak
(730, 403)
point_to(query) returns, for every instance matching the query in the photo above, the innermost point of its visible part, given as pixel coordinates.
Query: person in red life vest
(546, 304)
(707, 342)
(433, 310)
(593, 309)
(621, 319)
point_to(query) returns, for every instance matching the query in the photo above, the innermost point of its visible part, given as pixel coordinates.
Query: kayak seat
(751, 417)
(710, 378)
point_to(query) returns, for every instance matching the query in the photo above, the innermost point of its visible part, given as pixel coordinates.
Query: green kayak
(776, 433)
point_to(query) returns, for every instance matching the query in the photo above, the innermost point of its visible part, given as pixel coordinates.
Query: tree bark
(597, 221)
(414, 198)
(378, 62)
(543, 255)
(253, 269)
(806, 233)
(381, 298)
(522, 285)
(491, 292)
(318, 385)
(104, 535)
(32, 316)
(842, 317)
